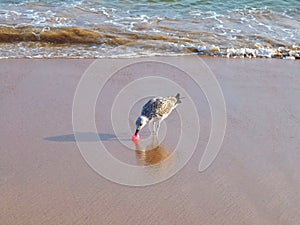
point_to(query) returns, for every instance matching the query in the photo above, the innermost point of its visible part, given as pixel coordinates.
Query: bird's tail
(178, 98)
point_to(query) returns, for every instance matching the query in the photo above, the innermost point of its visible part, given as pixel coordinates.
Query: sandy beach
(255, 178)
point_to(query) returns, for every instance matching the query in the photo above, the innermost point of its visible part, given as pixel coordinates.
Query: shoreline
(241, 56)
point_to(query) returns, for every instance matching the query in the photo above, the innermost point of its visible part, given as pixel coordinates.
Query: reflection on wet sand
(152, 154)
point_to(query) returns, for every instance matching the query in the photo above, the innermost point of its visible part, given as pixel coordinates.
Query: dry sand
(254, 180)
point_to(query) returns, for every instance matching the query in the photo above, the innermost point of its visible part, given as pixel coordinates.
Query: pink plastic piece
(135, 137)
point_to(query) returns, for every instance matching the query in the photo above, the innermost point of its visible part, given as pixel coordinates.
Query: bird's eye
(140, 124)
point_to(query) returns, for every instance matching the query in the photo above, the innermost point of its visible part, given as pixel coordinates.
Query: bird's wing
(166, 106)
(158, 107)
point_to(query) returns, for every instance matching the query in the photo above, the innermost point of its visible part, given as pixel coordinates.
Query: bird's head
(140, 123)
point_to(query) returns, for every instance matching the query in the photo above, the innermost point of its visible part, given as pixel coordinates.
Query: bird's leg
(157, 127)
(155, 141)
(153, 128)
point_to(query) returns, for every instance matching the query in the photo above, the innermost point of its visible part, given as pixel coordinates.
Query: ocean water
(130, 28)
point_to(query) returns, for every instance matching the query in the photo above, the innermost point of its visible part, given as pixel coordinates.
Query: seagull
(154, 111)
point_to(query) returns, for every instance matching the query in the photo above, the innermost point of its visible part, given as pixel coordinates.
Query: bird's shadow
(84, 137)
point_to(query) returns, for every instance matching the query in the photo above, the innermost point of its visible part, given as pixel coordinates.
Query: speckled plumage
(154, 111)
(160, 107)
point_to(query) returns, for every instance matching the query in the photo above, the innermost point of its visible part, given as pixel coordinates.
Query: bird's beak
(136, 131)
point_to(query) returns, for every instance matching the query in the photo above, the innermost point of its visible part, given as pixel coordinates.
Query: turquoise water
(149, 27)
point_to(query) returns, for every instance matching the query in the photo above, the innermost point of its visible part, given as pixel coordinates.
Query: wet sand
(255, 178)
